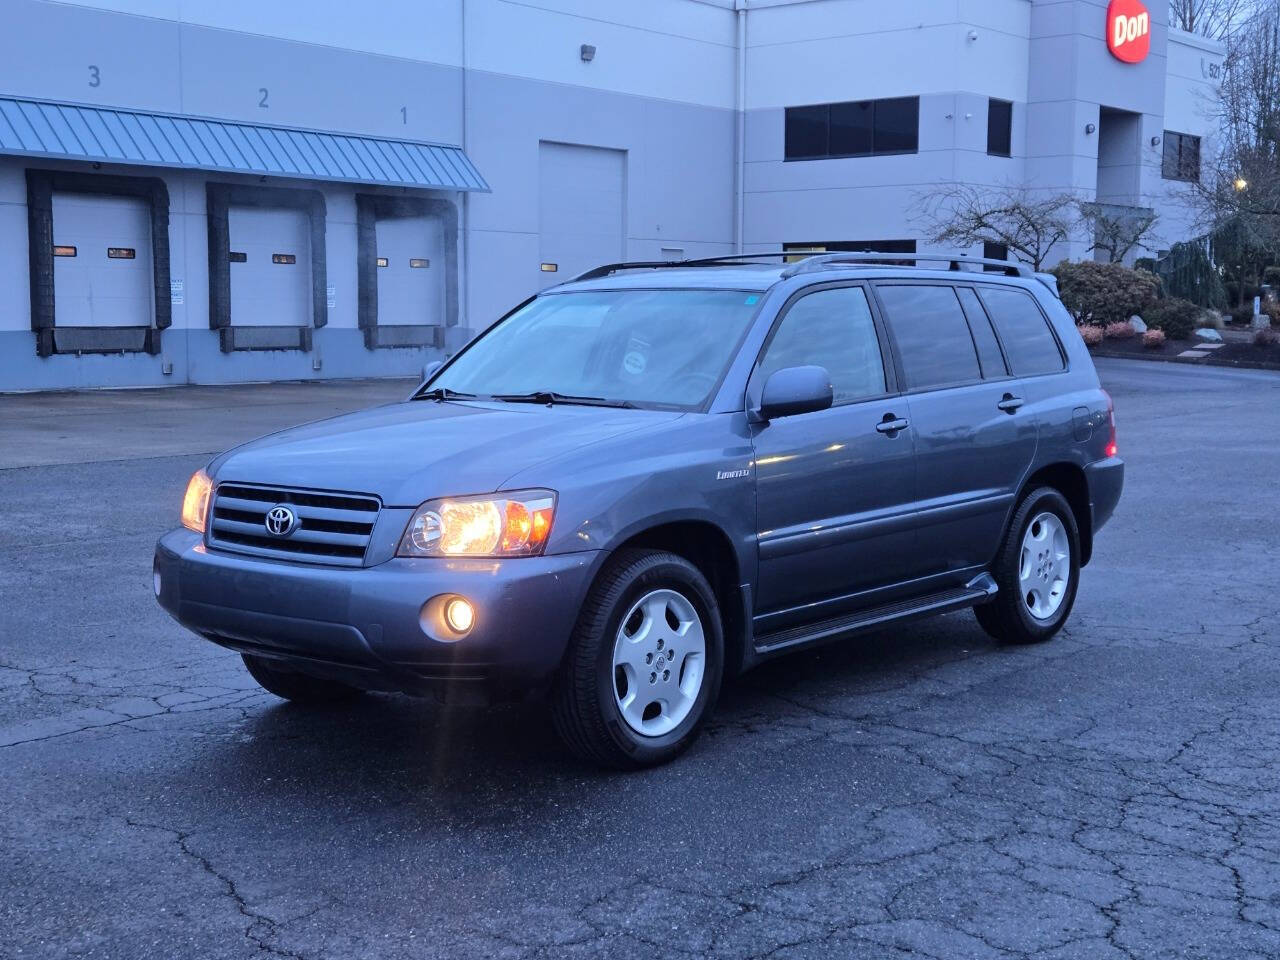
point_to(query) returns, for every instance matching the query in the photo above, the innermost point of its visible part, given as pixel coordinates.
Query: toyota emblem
(280, 521)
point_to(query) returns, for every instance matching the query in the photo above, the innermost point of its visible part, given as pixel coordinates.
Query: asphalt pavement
(921, 792)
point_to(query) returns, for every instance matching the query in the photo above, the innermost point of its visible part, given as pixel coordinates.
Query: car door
(974, 439)
(833, 487)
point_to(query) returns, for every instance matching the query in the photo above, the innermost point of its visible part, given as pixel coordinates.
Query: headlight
(494, 525)
(195, 503)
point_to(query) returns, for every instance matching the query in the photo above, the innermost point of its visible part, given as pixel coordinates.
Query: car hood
(409, 452)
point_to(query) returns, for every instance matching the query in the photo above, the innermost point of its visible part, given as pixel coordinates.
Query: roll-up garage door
(580, 208)
(411, 287)
(270, 267)
(102, 272)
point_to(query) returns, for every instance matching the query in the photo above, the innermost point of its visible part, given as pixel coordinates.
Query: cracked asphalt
(921, 792)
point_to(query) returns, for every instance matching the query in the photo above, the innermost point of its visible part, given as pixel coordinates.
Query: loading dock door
(580, 208)
(410, 271)
(270, 267)
(102, 273)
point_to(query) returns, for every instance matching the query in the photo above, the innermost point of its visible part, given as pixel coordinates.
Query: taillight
(1111, 449)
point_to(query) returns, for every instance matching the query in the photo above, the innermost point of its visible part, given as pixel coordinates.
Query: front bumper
(362, 626)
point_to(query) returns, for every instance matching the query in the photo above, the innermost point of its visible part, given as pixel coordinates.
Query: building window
(999, 128)
(1181, 157)
(862, 128)
(798, 251)
(994, 251)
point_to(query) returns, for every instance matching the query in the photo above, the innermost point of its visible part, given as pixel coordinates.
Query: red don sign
(1128, 30)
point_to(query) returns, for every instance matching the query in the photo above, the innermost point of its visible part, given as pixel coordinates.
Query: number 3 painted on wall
(95, 78)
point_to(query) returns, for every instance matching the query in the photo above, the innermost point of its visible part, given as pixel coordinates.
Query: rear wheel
(1037, 570)
(297, 687)
(644, 663)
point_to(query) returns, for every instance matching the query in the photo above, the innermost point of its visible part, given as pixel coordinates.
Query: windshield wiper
(443, 393)
(550, 397)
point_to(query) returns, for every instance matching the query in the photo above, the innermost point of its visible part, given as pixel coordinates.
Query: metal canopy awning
(35, 128)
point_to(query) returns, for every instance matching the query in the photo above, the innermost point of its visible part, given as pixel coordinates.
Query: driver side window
(833, 329)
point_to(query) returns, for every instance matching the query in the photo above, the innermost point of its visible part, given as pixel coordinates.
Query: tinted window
(994, 251)
(1181, 157)
(932, 335)
(833, 329)
(859, 128)
(806, 132)
(897, 125)
(1028, 341)
(999, 127)
(983, 336)
(851, 127)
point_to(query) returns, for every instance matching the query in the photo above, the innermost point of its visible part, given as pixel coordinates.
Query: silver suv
(658, 475)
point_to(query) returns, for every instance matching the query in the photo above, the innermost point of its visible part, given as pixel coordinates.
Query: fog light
(459, 614)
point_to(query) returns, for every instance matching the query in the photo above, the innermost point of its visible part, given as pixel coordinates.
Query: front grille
(331, 527)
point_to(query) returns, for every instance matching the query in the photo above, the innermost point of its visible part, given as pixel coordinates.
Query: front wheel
(644, 663)
(1037, 571)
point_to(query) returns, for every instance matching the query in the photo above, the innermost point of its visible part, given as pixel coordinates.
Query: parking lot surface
(921, 792)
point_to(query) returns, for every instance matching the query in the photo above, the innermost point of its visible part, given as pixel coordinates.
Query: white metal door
(410, 270)
(581, 204)
(102, 274)
(270, 267)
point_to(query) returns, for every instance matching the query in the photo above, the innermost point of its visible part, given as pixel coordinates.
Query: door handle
(1010, 403)
(891, 425)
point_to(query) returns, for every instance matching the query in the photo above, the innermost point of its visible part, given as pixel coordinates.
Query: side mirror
(429, 370)
(793, 390)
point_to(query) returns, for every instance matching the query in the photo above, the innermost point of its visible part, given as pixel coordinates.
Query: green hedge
(1178, 318)
(1104, 293)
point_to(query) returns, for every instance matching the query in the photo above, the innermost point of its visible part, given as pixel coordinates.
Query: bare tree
(1210, 18)
(1116, 230)
(1027, 223)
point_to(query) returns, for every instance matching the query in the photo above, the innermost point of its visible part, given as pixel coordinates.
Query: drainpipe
(740, 8)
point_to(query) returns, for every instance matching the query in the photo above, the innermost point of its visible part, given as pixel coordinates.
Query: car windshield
(659, 348)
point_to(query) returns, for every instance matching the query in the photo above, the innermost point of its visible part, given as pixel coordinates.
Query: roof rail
(729, 258)
(1010, 268)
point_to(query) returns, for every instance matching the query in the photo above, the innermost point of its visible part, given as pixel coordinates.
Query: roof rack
(817, 261)
(1011, 268)
(729, 258)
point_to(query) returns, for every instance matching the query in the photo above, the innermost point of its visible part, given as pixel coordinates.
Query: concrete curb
(1192, 361)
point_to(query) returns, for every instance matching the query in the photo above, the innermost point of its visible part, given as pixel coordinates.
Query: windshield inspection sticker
(634, 362)
(752, 300)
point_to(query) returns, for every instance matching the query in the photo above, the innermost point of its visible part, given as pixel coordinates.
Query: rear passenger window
(833, 329)
(1028, 342)
(983, 336)
(932, 335)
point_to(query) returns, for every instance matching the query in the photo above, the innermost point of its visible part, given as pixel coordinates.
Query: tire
(298, 687)
(587, 700)
(1031, 610)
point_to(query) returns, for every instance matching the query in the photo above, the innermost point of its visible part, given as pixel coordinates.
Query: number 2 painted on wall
(95, 78)
(263, 102)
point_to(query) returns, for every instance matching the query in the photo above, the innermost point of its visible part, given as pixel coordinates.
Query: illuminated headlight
(507, 525)
(195, 503)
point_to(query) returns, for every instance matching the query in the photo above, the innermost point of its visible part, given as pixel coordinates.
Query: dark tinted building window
(833, 329)
(1028, 342)
(932, 335)
(999, 127)
(1181, 157)
(859, 128)
(983, 336)
(994, 251)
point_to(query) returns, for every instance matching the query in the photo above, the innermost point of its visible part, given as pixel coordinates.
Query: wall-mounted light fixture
(587, 52)
(1155, 141)
(972, 36)
(1090, 128)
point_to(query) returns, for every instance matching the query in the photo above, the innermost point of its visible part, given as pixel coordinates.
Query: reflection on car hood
(409, 452)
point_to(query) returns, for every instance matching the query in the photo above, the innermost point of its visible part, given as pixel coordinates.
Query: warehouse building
(201, 192)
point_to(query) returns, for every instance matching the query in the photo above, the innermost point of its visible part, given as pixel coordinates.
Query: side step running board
(981, 588)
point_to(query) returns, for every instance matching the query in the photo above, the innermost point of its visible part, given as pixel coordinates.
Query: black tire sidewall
(1044, 500)
(671, 573)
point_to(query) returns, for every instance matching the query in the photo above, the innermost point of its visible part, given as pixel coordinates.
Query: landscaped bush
(1212, 319)
(1177, 318)
(1266, 337)
(1119, 331)
(1272, 309)
(1090, 333)
(1153, 339)
(1104, 293)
